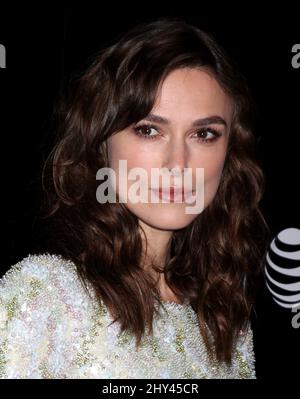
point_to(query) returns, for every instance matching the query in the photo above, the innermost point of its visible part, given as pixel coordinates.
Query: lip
(172, 194)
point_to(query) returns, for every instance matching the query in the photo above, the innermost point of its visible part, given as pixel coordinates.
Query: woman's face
(177, 141)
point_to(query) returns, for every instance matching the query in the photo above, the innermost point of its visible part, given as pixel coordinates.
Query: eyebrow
(198, 122)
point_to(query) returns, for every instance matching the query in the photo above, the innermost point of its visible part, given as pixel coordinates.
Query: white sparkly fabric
(52, 327)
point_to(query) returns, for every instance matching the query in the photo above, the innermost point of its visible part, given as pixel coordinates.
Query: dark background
(45, 45)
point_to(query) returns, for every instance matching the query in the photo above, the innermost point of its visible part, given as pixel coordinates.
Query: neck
(158, 253)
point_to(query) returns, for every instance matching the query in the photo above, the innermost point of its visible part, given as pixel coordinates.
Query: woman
(144, 289)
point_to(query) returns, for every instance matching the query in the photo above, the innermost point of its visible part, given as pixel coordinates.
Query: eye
(145, 131)
(214, 134)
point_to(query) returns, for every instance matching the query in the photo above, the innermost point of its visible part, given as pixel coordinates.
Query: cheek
(212, 176)
(213, 168)
(134, 159)
(135, 155)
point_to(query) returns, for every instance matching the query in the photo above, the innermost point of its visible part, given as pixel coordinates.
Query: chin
(166, 219)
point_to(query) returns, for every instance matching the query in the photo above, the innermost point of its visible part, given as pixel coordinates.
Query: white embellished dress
(52, 327)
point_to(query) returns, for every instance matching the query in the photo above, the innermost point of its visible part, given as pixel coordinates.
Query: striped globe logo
(282, 268)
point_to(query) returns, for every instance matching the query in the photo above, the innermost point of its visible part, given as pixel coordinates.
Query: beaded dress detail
(52, 327)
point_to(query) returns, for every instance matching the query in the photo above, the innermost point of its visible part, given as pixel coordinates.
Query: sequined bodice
(51, 327)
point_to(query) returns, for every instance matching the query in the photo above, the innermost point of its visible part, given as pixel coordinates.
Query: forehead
(192, 93)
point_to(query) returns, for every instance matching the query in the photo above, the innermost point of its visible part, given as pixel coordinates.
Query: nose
(176, 156)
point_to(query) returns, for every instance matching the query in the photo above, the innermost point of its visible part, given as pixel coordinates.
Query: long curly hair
(215, 261)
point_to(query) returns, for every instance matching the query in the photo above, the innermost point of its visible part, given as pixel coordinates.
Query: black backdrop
(44, 45)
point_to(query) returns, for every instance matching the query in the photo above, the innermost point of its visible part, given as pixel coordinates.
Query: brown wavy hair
(215, 261)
